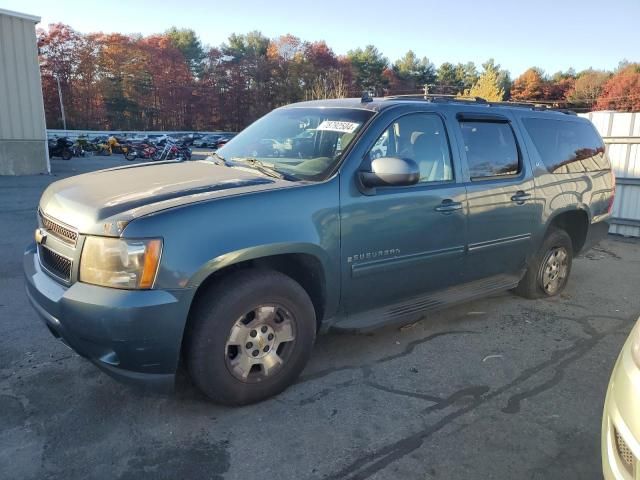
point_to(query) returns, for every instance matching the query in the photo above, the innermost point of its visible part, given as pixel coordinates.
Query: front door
(403, 241)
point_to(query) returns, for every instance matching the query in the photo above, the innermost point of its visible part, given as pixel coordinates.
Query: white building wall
(23, 146)
(621, 133)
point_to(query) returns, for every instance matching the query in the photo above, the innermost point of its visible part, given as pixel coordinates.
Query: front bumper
(621, 420)
(133, 335)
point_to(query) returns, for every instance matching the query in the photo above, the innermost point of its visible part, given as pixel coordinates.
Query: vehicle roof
(378, 104)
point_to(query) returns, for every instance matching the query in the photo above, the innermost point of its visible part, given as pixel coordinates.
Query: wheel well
(576, 224)
(303, 268)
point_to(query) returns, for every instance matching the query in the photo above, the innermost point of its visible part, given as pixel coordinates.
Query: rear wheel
(130, 155)
(549, 270)
(67, 154)
(250, 340)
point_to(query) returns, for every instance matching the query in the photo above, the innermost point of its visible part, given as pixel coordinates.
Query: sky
(551, 34)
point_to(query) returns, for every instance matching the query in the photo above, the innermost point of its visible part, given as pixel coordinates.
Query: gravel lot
(498, 388)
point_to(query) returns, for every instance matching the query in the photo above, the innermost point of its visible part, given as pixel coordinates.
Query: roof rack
(434, 98)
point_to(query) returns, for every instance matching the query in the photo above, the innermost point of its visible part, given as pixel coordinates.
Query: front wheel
(130, 155)
(251, 338)
(67, 154)
(549, 270)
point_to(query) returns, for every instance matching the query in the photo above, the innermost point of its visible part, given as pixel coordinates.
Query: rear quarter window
(567, 146)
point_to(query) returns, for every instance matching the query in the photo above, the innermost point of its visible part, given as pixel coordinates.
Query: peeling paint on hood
(103, 202)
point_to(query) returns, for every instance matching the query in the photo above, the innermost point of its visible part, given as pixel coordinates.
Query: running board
(414, 308)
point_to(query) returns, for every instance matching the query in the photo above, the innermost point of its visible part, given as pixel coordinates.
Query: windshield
(304, 143)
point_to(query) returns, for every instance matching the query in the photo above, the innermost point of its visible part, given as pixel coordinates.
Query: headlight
(120, 263)
(635, 344)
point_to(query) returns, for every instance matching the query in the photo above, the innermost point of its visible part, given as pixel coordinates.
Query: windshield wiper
(221, 160)
(265, 169)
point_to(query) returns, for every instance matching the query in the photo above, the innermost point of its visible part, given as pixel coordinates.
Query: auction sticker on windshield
(336, 126)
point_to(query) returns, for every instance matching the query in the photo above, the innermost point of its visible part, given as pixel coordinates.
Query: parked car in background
(137, 139)
(233, 265)
(160, 140)
(207, 141)
(223, 140)
(189, 138)
(621, 418)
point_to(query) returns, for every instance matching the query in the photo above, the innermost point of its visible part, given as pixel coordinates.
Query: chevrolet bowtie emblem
(41, 236)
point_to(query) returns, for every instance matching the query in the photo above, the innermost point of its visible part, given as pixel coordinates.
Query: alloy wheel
(260, 343)
(554, 270)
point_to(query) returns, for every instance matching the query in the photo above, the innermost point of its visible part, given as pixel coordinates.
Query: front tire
(549, 270)
(250, 338)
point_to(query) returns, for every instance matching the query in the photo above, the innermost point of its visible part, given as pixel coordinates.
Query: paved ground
(499, 388)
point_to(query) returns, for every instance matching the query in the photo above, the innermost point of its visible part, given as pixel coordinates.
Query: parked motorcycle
(141, 150)
(60, 147)
(172, 151)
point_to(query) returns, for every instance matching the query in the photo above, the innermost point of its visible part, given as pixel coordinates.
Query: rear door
(500, 196)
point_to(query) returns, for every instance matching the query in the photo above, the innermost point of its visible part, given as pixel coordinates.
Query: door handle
(448, 206)
(520, 197)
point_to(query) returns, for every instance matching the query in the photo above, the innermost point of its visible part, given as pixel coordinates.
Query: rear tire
(250, 338)
(67, 154)
(130, 155)
(549, 271)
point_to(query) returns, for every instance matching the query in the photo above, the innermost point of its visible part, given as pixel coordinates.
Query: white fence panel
(621, 134)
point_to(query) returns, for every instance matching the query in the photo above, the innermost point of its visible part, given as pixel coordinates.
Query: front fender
(203, 238)
(260, 251)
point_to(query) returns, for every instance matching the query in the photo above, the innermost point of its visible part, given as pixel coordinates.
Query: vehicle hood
(103, 202)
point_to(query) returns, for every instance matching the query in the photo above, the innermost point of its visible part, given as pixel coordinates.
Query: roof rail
(435, 98)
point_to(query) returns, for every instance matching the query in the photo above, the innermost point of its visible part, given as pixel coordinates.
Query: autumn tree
(528, 86)
(588, 87)
(324, 75)
(622, 91)
(169, 81)
(286, 56)
(58, 63)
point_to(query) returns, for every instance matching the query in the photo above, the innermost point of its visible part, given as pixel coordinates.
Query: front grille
(625, 453)
(56, 264)
(61, 231)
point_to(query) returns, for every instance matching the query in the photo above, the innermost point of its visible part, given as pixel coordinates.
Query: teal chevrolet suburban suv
(346, 214)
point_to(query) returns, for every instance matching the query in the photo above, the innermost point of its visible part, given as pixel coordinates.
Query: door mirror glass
(391, 172)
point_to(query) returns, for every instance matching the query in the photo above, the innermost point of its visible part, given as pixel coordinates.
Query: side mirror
(390, 172)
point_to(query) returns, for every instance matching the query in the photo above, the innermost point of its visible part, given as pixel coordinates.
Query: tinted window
(420, 137)
(567, 147)
(491, 149)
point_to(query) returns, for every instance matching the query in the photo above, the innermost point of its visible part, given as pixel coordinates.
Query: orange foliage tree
(622, 91)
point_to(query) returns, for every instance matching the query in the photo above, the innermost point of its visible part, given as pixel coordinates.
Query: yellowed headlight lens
(119, 262)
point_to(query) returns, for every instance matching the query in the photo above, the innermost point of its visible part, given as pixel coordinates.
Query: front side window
(491, 149)
(304, 143)
(567, 146)
(420, 137)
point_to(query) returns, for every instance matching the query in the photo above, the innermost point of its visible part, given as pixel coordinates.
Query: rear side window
(567, 146)
(491, 149)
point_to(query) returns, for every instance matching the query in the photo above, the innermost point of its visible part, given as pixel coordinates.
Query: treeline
(170, 81)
